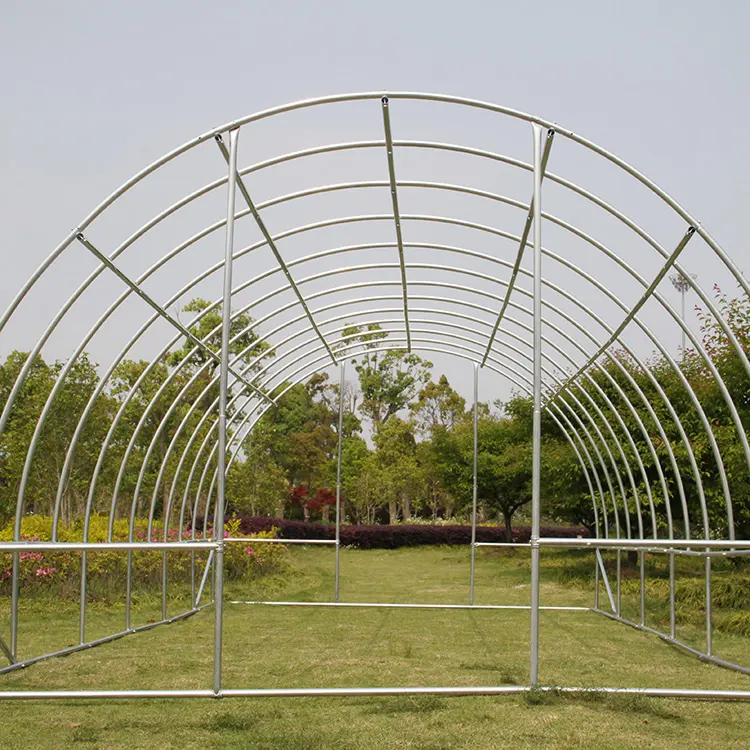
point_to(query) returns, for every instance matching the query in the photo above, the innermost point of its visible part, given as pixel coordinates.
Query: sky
(94, 91)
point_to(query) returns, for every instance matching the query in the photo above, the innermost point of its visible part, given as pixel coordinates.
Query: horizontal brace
(634, 310)
(636, 543)
(690, 552)
(702, 655)
(102, 546)
(278, 541)
(521, 248)
(390, 605)
(396, 213)
(704, 695)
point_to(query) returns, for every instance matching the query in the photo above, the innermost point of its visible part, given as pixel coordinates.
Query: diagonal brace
(629, 317)
(261, 225)
(396, 214)
(8, 653)
(521, 248)
(600, 563)
(164, 314)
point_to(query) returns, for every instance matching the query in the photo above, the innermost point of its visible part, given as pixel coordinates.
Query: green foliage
(388, 380)
(396, 466)
(504, 462)
(420, 466)
(437, 405)
(46, 469)
(361, 484)
(255, 558)
(59, 571)
(257, 485)
(244, 342)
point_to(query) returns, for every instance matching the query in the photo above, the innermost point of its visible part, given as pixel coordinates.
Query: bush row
(400, 535)
(60, 570)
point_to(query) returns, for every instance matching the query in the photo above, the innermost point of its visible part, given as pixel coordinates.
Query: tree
(504, 460)
(433, 494)
(257, 485)
(437, 405)
(303, 432)
(46, 469)
(388, 380)
(396, 461)
(243, 340)
(360, 483)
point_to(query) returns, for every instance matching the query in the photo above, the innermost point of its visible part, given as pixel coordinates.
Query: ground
(321, 647)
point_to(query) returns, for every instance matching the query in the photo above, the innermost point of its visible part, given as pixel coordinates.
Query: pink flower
(250, 551)
(226, 534)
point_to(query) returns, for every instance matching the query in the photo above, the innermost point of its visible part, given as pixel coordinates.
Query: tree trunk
(508, 520)
(392, 512)
(406, 508)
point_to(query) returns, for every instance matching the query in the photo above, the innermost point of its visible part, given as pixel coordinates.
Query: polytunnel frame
(581, 427)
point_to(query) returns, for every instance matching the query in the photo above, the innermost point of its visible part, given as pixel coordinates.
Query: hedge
(400, 535)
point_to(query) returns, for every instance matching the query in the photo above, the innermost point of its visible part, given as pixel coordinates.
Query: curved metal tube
(313, 191)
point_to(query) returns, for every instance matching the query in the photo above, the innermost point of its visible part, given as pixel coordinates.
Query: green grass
(326, 647)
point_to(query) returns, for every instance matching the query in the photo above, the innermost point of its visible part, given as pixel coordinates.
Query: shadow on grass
(411, 704)
(230, 721)
(628, 703)
(504, 676)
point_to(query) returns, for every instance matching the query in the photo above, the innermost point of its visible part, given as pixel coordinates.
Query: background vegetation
(407, 437)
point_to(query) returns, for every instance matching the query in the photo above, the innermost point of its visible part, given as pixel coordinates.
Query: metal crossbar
(272, 245)
(645, 297)
(521, 249)
(164, 314)
(396, 214)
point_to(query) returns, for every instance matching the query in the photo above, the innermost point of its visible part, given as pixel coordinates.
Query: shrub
(45, 570)
(397, 535)
(248, 560)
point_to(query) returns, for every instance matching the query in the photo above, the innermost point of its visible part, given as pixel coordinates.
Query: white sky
(92, 92)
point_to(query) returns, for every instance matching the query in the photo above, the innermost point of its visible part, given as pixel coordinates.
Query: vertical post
(474, 487)
(222, 426)
(164, 585)
(537, 423)
(15, 592)
(709, 633)
(128, 588)
(642, 561)
(84, 599)
(619, 582)
(672, 615)
(192, 577)
(338, 482)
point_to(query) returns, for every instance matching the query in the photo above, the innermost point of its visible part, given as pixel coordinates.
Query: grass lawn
(326, 647)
